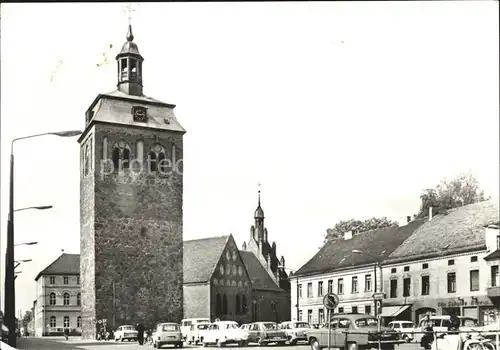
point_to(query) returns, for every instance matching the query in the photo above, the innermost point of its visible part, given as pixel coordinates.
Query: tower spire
(130, 35)
(259, 213)
(259, 186)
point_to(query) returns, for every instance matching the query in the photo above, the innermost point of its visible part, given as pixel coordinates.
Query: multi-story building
(441, 267)
(492, 237)
(348, 268)
(58, 297)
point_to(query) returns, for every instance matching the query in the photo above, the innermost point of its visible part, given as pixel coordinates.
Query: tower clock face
(139, 114)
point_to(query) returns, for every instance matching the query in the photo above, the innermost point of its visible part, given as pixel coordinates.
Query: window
(77, 279)
(340, 286)
(368, 309)
(330, 286)
(79, 322)
(394, 288)
(116, 158)
(224, 304)
(425, 266)
(498, 242)
(309, 290)
(393, 270)
(104, 150)
(300, 315)
(406, 287)
(494, 276)
(126, 158)
(66, 298)
(65, 280)
(473, 259)
(66, 321)
(321, 316)
(426, 286)
(52, 299)
(237, 305)
(451, 262)
(406, 269)
(300, 290)
(79, 299)
(218, 304)
(157, 159)
(243, 304)
(452, 282)
(139, 150)
(53, 323)
(354, 286)
(341, 310)
(52, 280)
(320, 288)
(309, 316)
(354, 309)
(474, 280)
(121, 155)
(368, 283)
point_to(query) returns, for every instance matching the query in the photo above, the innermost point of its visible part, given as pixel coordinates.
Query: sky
(339, 109)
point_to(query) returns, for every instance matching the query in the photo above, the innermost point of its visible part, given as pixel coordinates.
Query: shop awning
(393, 311)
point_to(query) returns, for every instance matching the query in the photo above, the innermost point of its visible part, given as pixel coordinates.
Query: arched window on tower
(126, 158)
(237, 304)
(152, 161)
(224, 304)
(121, 155)
(139, 150)
(124, 68)
(162, 163)
(218, 306)
(105, 148)
(116, 158)
(157, 159)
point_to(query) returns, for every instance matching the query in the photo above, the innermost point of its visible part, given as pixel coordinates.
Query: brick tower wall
(137, 234)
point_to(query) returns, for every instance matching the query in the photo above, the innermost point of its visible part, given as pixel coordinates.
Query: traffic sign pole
(329, 327)
(330, 301)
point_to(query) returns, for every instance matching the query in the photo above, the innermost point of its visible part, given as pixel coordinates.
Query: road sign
(378, 307)
(330, 301)
(379, 296)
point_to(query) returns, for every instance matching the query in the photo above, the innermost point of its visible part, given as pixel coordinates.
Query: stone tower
(131, 187)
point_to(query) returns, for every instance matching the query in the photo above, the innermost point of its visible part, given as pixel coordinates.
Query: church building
(131, 188)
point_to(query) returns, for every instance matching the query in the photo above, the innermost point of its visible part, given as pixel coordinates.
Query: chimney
(347, 235)
(408, 219)
(430, 213)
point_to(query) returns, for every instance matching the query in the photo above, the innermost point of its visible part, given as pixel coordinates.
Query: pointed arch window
(121, 155)
(244, 304)
(224, 304)
(237, 304)
(157, 159)
(104, 148)
(139, 150)
(52, 299)
(218, 304)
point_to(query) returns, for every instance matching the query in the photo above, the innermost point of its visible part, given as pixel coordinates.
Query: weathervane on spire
(129, 9)
(259, 185)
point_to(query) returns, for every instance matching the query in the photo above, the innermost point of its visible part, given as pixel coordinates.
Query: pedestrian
(66, 333)
(140, 333)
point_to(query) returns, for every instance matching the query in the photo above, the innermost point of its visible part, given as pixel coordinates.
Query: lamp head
(68, 133)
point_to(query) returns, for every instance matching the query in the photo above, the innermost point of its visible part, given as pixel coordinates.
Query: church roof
(458, 230)
(259, 213)
(258, 275)
(66, 264)
(201, 257)
(338, 255)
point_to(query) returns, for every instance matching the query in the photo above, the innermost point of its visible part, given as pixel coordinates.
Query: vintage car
(188, 322)
(406, 329)
(354, 331)
(167, 334)
(264, 333)
(295, 331)
(221, 333)
(440, 325)
(196, 333)
(126, 332)
(245, 328)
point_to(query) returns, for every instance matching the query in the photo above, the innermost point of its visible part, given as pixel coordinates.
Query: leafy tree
(460, 191)
(28, 316)
(357, 226)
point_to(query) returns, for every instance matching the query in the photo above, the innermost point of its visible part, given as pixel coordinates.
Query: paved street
(76, 343)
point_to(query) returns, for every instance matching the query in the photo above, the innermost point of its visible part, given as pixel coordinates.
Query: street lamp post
(10, 289)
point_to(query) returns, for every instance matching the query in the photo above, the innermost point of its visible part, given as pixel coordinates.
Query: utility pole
(114, 311)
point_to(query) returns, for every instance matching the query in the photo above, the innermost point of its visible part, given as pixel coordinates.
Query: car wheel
(219, 344)
(121, 339)
(314, 344)
(281, 343)
(293, 342)
(180, 345)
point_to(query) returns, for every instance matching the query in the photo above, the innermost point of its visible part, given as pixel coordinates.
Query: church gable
(230, 269)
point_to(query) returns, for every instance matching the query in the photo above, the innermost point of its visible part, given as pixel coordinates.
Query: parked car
(358, 330)
(295, 331)
(221, 333)
(245, 328)
(440, 324)
(264, 333)
(125, 333)
(406, 329)
(188, 322)
(167, 334)
(195, 334)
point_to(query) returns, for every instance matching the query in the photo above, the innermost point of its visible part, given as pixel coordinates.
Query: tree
(28, 316)
(357, 226)
(460, 191)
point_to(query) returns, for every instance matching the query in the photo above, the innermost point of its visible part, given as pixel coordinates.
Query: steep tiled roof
(338, 255)
(66, 264)
(460, 230)
(259, 276)
(201, 257)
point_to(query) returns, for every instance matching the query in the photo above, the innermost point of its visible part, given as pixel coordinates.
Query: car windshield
(407, 325)
(366, 322)
(128, 328)
(270, 326)
(469, 322)
(202, 326)
(231, 326)
(169, 328)
(301, 325)
(202, 321)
